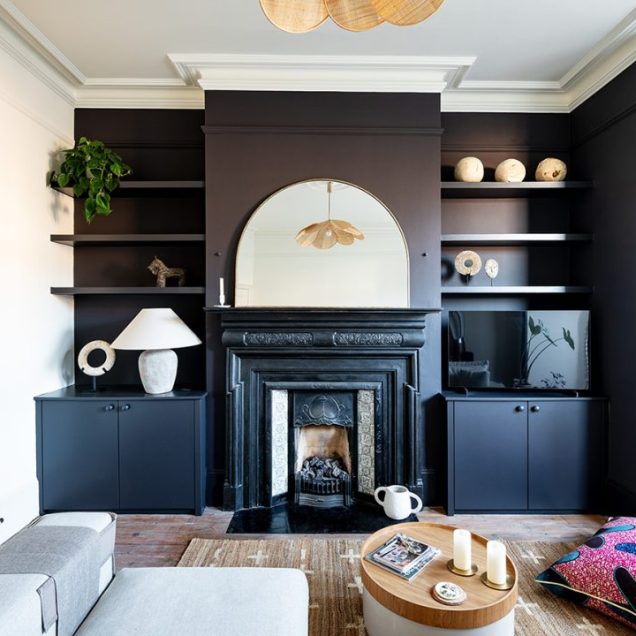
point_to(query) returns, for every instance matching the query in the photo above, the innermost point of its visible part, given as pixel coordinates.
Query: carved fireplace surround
(275, 355)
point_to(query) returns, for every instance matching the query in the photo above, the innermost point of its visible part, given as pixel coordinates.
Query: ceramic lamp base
(158, 370)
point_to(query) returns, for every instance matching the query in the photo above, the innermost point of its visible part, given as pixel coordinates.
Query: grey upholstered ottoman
(202, 601)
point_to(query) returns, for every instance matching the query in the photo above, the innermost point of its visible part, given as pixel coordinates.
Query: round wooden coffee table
(394, 607)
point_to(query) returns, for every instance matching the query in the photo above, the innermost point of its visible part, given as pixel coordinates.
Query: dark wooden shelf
(520, 290)
(495, 189)
(113, 291)
(514, 239)
(125, 239)
(148, 188)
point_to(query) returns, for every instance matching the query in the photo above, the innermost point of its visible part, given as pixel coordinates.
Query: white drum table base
(380, 621)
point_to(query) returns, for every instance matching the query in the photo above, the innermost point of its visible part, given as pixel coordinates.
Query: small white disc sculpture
(87, 349)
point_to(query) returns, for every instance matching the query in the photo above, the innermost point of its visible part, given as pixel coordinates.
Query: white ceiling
(517, 47)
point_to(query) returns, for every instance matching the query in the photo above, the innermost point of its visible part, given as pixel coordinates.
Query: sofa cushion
(202, 601)
(20, 607)
(601, 573)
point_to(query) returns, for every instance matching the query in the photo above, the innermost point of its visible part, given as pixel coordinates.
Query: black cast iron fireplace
(323, 405)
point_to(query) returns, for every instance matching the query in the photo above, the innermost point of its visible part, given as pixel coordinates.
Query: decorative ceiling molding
(376, 74)
(25, 43)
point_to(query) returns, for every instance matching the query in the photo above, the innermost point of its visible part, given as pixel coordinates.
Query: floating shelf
(113, 291)
(125, 239)
(490, 189)
(515, 290)
(514, 239)
(148, 188)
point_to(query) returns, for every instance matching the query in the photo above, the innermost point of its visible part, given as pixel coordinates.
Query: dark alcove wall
(604, 140)
(259, 142)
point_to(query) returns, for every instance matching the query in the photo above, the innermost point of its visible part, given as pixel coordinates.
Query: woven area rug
(333, 571)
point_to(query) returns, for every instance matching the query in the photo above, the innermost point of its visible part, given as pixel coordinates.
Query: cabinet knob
(520, 408)
(535, 408)
(125, 407)
(110, 407)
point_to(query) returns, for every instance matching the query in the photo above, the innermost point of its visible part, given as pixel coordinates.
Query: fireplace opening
(323, 466)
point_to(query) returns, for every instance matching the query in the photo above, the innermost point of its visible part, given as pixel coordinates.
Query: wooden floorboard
(160, 540)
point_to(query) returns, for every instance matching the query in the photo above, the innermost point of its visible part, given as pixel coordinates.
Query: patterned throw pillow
(601, 573)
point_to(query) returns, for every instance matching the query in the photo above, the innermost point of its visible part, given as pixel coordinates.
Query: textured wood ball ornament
(468, 263)
(87, 349)
(551, 169)
(510, 171)
(300, 16)
(469, 170)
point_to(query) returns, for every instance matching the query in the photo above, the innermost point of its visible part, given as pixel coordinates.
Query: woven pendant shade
(295, 16)
(353, 15)
(406, 12)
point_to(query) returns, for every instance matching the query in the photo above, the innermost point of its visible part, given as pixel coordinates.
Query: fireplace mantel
(272, 349)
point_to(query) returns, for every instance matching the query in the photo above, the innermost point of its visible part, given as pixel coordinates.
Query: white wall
(36, 346)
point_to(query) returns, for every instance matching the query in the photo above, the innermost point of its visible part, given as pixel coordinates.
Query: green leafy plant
(93, 170)
(538, 343)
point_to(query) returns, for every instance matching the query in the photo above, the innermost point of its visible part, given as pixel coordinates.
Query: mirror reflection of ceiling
(273, 270)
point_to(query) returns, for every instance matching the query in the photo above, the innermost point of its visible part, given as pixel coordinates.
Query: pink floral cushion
(601, 573)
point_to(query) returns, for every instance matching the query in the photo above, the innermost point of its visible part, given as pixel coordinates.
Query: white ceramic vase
(397, 501)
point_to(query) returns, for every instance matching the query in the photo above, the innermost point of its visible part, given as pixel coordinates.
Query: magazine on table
(403, 556)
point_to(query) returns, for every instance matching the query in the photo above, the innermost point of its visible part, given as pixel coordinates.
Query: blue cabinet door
(565, 441)
(490, 455)
(156, 458)
(79, 455)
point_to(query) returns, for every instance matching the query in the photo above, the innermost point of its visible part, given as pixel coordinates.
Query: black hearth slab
(359, 518)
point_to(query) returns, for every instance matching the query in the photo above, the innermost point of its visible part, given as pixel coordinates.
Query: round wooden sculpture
(389, 594)
(469, 170)
(406, 12)
(293, 16)
(510, 171)
(353, 15)
(468, 263)
(551, 169)
(104, 367)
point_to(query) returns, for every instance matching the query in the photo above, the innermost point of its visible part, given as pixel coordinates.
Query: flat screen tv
(519, 350)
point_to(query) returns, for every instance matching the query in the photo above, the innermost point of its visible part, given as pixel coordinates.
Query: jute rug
(333, 571)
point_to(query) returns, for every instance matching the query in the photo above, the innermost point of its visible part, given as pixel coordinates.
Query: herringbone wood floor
(160, 540)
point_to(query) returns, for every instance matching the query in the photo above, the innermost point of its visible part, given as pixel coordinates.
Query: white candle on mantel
(221, 287)
(496, 562)
(462, 557)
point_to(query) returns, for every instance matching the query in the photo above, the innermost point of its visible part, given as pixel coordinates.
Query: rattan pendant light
(326, 234)
(300, 16)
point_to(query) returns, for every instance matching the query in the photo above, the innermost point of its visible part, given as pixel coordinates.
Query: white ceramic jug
(397, 501)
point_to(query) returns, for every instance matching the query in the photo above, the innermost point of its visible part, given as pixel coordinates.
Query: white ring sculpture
(87, 349)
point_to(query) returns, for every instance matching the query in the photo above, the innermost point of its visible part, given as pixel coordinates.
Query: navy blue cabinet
(510, 454)
(121, 451)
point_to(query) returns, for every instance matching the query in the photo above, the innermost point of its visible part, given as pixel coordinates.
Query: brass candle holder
(455, 570)
(509, 584)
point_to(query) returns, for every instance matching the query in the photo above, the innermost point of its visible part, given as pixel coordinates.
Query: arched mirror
(322, 244)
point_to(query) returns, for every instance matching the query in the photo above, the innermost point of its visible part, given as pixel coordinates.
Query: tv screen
(519, 349)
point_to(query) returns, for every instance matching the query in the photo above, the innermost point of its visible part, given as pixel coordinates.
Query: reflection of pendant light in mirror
(326, 234)
(300, 16)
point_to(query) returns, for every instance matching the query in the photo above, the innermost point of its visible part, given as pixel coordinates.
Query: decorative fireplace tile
(280, 423)
(366, 442)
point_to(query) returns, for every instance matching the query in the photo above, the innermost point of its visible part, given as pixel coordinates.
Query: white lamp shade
(158, 328)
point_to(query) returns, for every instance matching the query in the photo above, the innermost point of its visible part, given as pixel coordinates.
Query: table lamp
(157, 331)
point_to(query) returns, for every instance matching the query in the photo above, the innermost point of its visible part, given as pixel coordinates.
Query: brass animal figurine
(159, 269)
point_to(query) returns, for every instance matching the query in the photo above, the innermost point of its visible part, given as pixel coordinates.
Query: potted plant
(93, 170)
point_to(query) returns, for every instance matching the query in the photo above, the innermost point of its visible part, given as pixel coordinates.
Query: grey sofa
(57, 579)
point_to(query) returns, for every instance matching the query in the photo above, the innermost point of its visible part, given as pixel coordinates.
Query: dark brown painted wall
(257, 143)
(604, 143)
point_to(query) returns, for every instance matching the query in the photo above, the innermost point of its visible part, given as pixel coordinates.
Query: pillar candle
(462, 557)
(496, 562)
(221, 287)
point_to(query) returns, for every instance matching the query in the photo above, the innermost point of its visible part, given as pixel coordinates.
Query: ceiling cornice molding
(396, 74)
(26, 44)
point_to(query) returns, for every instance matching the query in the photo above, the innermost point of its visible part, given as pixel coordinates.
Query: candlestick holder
(509, 584)
(451, 566)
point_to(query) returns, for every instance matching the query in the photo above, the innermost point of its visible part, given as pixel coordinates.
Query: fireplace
(322, 405)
